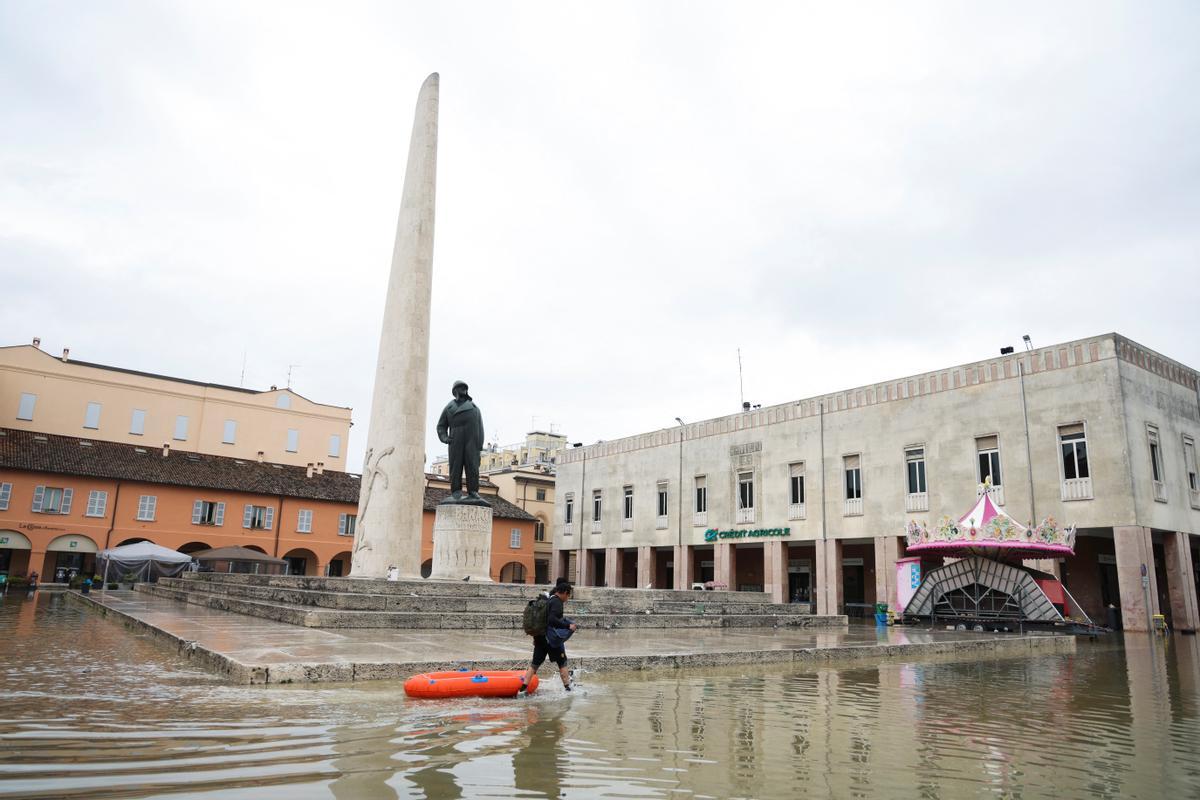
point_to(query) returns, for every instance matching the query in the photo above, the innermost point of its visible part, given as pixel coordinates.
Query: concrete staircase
(353, 603)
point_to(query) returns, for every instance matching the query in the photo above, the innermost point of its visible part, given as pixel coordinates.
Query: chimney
(66, 352)
(273, 387)
(37, 342)
(308, 473)
(166, 449)
(320, 467)
(260, 456)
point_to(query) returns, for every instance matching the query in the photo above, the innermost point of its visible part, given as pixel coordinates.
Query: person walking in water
(552, 643)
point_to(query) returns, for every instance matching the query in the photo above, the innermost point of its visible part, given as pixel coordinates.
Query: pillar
(725, 565)
(392, 495)
(681, 558)
(37, 563)
(775, 574)
(829, 568)
(612, 566)
(583, 567)
(1181, 582)
(559, 564)
(1139, 598)
(645, 571)
(888, 549)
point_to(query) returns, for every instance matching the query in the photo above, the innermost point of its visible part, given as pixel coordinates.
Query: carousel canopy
(987, 531)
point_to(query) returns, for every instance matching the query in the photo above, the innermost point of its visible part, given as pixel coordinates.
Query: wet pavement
(253, 650)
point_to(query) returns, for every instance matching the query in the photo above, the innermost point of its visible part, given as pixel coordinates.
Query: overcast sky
(627, 193)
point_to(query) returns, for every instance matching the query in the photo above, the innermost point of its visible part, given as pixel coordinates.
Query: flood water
(89, 709)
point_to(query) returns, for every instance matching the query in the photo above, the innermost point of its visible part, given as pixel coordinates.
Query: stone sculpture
(461, 428)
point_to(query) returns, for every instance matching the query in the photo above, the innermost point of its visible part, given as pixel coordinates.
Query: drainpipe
(278, 525)
(112, 522)
(821, 571)
(579, 560)
(1028, 453)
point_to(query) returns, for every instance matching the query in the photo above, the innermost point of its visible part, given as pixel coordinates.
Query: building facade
(532, 490)
(540, 449)
(58, 395)
(809, 500)
(64, 498)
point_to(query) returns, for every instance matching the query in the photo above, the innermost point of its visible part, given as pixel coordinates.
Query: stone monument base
(462, 543)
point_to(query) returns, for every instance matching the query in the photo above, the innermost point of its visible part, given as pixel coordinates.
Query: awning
(11, 540)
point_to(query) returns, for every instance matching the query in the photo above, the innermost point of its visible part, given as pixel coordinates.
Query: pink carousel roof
(987, 531)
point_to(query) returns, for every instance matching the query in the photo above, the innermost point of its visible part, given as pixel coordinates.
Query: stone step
(460, 589)
(341, 618)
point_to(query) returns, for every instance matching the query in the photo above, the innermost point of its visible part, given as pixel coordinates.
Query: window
(1156, 464)
(137, 422)
(700, 500)
(1072, 444)
(852, 467)
(52, 500)
(304, 521)
(915, 459)
(853, 477)
(745, 497)
(346, 524)
(293, 440)
(25, 409)
(988, 448)
(539, 531)
(91, 417)
(514, 538)
(181, 426)
(661, 519)
(5, 495)
(208, 512)
(541, 495)
(258, 517)
(1189, 464)
(597, 508)
(284, 400)
(335, 446)
(627, 510)
(568, 513)
(230, 434)
(796, 490)
(147, 505)
(97, 503)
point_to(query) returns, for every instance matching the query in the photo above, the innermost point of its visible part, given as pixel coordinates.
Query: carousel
(987, 582)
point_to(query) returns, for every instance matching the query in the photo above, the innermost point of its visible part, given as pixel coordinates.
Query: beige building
(532, 490)
(815, 494)
(59, 395)
(540, 449)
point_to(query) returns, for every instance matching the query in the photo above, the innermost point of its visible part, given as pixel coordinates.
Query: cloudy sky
(628, 193)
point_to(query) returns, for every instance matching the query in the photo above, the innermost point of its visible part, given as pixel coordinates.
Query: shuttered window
(181, 428)
(293, 440)
(147, 505)
(91, 418)
(137, 422)
(5, 495)
(97, 503)
(304, 521)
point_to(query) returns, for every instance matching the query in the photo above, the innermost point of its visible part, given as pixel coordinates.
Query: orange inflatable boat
(464, 683)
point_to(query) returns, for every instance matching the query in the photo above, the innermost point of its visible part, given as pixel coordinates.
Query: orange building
(63, 498)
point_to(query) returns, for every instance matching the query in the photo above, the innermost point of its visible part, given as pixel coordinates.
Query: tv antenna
(741, 388)
(290, 367)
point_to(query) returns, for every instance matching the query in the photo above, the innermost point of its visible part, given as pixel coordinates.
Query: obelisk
(391, 500)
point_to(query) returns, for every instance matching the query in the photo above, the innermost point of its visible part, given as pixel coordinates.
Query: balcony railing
(700, 518)
(917, 501)
(745, 515)
(568, 528)
(997, 494)
(1077, 489)
(854, 507)
(660, 523)
(627, 524)
(1160, 491)
(595, 526)
(796, 511)
(1195, 494)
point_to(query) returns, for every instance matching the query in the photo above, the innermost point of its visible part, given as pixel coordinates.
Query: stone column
(583, 567)
(888, 550)
(612, 566)
(1134, 549)
(725, 565)
(681, 572)
(1181, 582)
(391, 498)
(559, 564)
(829, 567)
(775, 574)
(645, 572)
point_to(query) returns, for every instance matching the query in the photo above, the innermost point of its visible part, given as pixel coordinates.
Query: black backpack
(537, 614)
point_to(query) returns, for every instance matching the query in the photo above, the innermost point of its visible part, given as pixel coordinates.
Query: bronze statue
(461, 427)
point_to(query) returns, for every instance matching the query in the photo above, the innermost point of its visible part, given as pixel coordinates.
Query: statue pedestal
(462, 543)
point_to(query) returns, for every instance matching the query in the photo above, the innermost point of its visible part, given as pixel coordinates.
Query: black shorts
(542, 649)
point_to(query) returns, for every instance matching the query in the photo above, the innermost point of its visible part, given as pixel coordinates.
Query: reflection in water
(89, 709)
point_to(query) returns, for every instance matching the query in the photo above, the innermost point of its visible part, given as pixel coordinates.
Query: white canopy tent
(146, 560)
